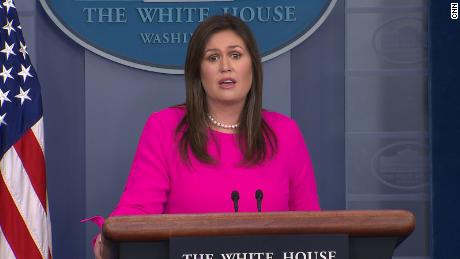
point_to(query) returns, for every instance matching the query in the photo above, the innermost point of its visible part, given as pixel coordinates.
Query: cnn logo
(454, 11)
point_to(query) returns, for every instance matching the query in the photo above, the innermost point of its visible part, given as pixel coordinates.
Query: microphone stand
(235, 197)
(259, 197)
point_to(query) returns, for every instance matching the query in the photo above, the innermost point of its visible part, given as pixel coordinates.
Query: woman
(191, 158)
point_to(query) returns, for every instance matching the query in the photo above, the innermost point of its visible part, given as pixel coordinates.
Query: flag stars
(6, 73)
(23, 49)
(23, 95)
(4, 97)
(2, 120)
(8, 4)
(24, 72)
(8, 50)
(9, 26)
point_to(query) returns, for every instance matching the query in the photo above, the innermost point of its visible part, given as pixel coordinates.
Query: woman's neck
(226, 114)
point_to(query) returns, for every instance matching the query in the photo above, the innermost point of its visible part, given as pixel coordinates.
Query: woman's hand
(98, 247)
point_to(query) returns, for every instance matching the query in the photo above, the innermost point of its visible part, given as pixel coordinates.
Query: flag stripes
(5, 249)
(14, 229)
(38, 131)
(33, 161)
(25, 200)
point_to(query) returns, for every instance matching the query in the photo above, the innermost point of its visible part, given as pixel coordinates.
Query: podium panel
(371, 234)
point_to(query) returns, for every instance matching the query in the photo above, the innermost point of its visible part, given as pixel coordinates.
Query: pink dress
(159, 182)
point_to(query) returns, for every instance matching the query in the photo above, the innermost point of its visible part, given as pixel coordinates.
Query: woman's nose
(226, 65)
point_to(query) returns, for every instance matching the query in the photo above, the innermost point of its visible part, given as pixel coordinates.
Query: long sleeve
(302, 188)
(147, 186)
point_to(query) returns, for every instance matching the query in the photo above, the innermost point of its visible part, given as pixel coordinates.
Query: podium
(372, 234)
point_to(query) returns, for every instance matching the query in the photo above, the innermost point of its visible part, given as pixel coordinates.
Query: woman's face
(226, 69)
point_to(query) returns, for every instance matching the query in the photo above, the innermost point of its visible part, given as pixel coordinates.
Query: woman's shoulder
(277, 120)
(170, 115)
(285, 128)
(165, 120)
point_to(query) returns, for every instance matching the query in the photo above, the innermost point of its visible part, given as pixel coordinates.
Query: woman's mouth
(227, 83)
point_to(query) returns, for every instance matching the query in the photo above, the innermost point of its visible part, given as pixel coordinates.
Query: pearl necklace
(222, 125)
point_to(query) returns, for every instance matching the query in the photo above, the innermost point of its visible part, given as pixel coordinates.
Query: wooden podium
(373, 234)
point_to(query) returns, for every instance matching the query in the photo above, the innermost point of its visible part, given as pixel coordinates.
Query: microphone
(235, 197)
(259, 197)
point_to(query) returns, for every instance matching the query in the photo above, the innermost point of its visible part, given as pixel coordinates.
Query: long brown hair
(257, 140)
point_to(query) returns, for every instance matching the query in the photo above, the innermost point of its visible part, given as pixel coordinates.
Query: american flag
(25, 229)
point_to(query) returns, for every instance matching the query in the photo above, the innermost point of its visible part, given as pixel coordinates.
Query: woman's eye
(213, 58)
(236, 55)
